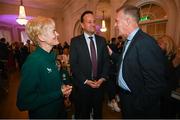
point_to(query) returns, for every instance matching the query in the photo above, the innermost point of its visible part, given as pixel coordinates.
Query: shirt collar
(87, 36)
(132, 34)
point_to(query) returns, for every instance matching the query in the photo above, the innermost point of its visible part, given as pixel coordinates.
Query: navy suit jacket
(144, 70)
(80, 60)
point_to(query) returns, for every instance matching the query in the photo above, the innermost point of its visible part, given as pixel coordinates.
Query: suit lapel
(84, 47)
(134, 40)
(97, 45)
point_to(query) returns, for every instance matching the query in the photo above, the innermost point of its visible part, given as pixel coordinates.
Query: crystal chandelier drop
(22, 15)
(103, 27)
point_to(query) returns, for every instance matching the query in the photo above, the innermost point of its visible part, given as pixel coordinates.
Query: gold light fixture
(103, 27)
(22, 15)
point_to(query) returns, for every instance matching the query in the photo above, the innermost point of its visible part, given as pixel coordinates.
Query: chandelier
(22, 15)
(103, 27)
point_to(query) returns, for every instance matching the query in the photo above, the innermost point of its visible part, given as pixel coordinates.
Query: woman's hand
(66, 90)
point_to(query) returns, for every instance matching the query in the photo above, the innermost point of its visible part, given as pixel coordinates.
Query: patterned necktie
(121, 80)
(93, 58)
(124, 46)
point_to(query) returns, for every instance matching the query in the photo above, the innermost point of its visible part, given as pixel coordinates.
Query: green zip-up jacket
(40, 85)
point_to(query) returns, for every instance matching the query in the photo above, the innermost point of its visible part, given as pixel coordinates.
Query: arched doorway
(77, 29)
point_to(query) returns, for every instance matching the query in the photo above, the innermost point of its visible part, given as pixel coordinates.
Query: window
(153, 19)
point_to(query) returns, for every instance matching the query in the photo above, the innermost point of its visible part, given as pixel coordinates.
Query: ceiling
(53, 5)
(40, 4)
(43, 4)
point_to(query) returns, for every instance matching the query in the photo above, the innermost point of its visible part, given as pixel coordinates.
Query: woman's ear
(41, 37)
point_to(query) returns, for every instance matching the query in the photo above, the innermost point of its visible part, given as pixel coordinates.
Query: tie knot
(127, 40)
(91, 38)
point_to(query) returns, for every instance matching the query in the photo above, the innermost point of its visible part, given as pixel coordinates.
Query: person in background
(28, 45)
(120, 43)
(65, 45)
(64, 75)
(89, 62)
(4, 55)
(41, 91)
(167, 103)
(113, 45)
(112, 88)
(111, 84)
(23, 54)
(4, 52)
(60, 48)
(176, 60)
(65, 56)
(142, 67)
(176, 63)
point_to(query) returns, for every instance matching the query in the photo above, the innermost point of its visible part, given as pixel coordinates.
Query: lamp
(22, 15)
(103, 27)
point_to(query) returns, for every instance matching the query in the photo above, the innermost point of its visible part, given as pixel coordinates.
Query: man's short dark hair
(113, 39)
(120, 38)
(84, 13)
(131, 10)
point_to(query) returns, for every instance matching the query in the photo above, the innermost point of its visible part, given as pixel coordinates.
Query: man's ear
(41, 37)
(82, 25)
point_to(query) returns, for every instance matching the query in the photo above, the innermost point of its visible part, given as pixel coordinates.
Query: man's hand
(91, 83)
(109, 50)
(95, 83)
(99, 82)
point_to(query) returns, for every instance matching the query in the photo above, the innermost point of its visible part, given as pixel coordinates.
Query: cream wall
(172, 8)
(115, 4)
(177, 2)
(71, 14)
(67, 17)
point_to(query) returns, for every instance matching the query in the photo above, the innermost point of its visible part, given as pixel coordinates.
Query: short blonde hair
(38, 26)
(170, 47)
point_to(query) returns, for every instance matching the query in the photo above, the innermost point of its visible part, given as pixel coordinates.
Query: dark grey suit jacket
(144, 70)
(80, 60)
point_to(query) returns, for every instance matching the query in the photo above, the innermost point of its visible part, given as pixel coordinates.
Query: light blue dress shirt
(88, 42)
(121, 81)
